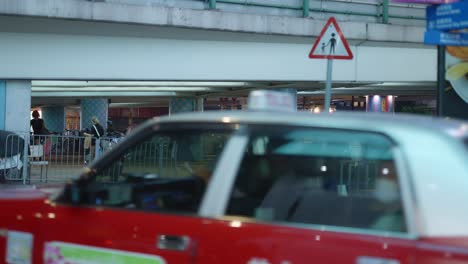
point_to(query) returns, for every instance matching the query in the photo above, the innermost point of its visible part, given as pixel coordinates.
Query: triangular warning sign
(331, 44)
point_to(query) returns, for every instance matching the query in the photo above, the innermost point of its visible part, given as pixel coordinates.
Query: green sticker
(59, 252)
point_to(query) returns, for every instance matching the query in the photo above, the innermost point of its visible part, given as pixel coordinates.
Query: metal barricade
(44, 158)
(36, 159)
(358, 175)
(107, 143)
(12, 157)
(60, 158)
(155, 156)
(57, 158)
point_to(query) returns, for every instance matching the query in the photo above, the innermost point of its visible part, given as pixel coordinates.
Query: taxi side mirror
(73, 191)
(71, 194)
(75, 194)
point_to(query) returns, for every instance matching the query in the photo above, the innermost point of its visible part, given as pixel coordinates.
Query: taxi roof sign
(266, 100)
(331, 43)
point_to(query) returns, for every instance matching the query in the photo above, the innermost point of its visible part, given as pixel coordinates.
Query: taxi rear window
(317, 176)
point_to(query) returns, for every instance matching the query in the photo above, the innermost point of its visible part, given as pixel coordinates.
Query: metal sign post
(331, 44)
(441, 83)
(328, 85)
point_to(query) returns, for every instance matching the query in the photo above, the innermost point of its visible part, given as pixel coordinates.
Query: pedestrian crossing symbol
(331, 44)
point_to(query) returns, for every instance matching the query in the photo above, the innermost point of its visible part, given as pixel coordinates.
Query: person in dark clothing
(38, 127)
(96, 129)
(37, 123)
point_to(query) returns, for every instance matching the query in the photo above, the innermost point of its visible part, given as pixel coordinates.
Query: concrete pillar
(15, 111)
(54, 118)
(94, 107)
(182, 104)
(15, 106)
(2, 103)
(378, 103)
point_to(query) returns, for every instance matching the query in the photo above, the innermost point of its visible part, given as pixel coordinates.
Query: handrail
(407, 17)
(306, 9)
(235, 2)
(353, 13)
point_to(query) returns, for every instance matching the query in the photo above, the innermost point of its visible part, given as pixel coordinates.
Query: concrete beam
(395, 33)
(84, 57)
(204, 19)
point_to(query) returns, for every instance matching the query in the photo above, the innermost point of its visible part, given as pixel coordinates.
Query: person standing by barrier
(39, 135)
(96, 131)
(38, 127)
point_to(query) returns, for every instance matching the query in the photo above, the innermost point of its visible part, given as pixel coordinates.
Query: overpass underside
(158, 93)
(189, 45)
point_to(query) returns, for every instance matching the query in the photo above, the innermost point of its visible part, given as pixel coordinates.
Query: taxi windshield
(174, 154)
(167, 171)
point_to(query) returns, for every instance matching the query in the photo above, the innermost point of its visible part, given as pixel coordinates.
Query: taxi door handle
(170, 242)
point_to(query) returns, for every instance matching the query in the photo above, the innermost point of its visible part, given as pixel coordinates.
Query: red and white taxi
(257, 187)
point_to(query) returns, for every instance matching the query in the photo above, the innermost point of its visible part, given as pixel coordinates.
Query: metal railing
(358, 175)
(147, 158)
(48, 158)
(12, 158)
(383, 10)
(377, 11)
(60, 158)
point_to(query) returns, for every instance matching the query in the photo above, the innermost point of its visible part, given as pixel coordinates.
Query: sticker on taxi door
(19, 247)
(60, 253)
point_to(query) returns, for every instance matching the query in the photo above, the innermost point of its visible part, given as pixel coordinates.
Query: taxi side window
(166, 172)
(319, 176)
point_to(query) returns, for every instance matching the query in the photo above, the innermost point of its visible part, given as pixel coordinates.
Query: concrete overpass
(75, 39)
(264, 46)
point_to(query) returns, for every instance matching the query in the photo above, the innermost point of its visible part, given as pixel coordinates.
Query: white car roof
(349, 120)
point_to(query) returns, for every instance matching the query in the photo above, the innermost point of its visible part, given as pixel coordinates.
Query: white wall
(52, 56)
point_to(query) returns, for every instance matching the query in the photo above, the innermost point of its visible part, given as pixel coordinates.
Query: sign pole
(441, 84)
(328, 85)
(331, 45)
(328, 44)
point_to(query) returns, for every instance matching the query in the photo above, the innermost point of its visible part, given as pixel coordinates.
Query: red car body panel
(286, 244)
(211, 240)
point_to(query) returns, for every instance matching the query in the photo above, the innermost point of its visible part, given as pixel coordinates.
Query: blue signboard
(447, 16)
(446, 38)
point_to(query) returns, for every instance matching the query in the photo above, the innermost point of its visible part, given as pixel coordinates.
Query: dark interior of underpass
(131, 103)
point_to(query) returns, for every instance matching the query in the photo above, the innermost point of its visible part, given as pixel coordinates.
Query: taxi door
(106, 235)
(308, 195)
(140, 203)
(255, 243)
